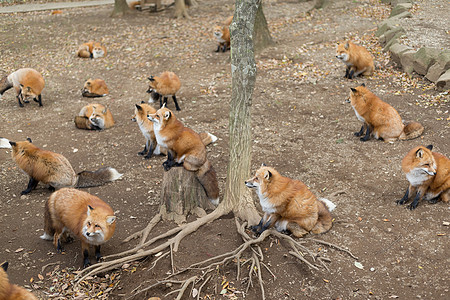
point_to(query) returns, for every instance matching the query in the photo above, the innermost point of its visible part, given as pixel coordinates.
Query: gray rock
(405, 14)
(443, 83)
(393, 32)
(395, 51)
(406, 60)
(398, 9)
(441, 65)
(392, 41)
(424, 58)
(386, 25)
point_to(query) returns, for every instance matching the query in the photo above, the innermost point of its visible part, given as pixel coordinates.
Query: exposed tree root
(205, 267)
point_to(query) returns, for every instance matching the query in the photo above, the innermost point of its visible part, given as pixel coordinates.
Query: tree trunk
(243, 70)
(180, 9)
(121, 8)
(181, 195)
(261, 32)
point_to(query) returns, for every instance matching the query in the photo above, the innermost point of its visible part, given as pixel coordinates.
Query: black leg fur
(176, 103)
(361, 131)
(31, 186)
(415, 202)
(405, 197)
(367, 136)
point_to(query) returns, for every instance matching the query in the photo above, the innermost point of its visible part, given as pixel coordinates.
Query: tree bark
(243, 70)
(121, 8)
(261, 31)
(181, 195)
(180, 9)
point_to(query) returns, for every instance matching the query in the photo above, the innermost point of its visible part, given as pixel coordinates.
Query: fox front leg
(170, 162)
(31, 186)
(151, 148)
(347, 72)
(415, 202)
(367, 136)
(176, 103)
(361, 131)
(405, 197)
(98, 256)
(143, 152)
(257, 228)
(19, 96)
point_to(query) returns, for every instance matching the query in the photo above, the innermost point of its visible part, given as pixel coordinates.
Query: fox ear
(89, 210)
(167, 115)
(28, 89)
(430, 147)
(142, 102)
(353, 90)
(138, 107)
(363, 84)
(110, 219)
(346, 46)
(263, 165)
(28, 139)
(164, 105)
(151, 78)
(419, 153)
(12, 143)
(104, 111)
(5, 266)
(268, 175)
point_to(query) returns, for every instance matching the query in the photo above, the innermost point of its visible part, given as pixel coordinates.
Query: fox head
(98, 227)
(218, 33)
(19, 148)
(161, 118)
(87, 86)
(342, 52)
(357, 94)
(262, 180)
(98, 117)
(98, 50)
(141, 111)
(27, 92)
(419, 165)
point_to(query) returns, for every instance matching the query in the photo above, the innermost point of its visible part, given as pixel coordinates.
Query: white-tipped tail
(215, 201)
(46, 237)
(213, 137)
(331, 206)
(114, 174)
(4, 144)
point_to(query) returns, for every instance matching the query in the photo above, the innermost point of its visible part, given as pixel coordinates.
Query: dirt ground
(301, 126)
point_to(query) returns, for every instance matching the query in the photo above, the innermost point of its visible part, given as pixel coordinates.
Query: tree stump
(181, 195)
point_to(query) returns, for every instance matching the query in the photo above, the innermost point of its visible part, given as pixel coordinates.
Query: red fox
(379, 118)
(428, 174)
(222, 35)
(54, 169)
(184, 148)
(10, 291)
(357, 59)
(27, 82)
(289, 205)
(94, 88)
(141, 112)
(94, 117)
(86, 216)
(165, 85)
(91, 49)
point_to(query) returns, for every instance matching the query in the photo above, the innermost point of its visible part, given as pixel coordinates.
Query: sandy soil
(301, 126)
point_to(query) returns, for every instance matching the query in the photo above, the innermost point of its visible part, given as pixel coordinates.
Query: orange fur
(222, 35)
(133, 4)
(94, 116)
(94, 88)
(288, 204)
(10, 291)
(380, 118)
(428, 174)
(86, 216)
(357, 59)
(185, 148)
(54, 169)
(167, 84)
(27, 82)
(91, 49)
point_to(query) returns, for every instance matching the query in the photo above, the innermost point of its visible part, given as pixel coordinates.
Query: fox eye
(97, 226)
(89, 223)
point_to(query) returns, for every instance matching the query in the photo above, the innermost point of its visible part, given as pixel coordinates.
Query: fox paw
(412, 206)
(400, 202)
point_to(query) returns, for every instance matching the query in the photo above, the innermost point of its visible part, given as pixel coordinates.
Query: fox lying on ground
(91, 49)
(27, 82)
(428, 174)
(94, 88)
(86, 216)
(289, 205)
(184, 148)
(357, 59)
(94, 116)
(380, 119)
(54, 169)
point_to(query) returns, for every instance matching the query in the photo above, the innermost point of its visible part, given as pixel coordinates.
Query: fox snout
(250, 184)
(347, 100)
(150, 90)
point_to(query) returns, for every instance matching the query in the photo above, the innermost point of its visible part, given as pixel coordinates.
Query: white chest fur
(417, 176)
(266, 206)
